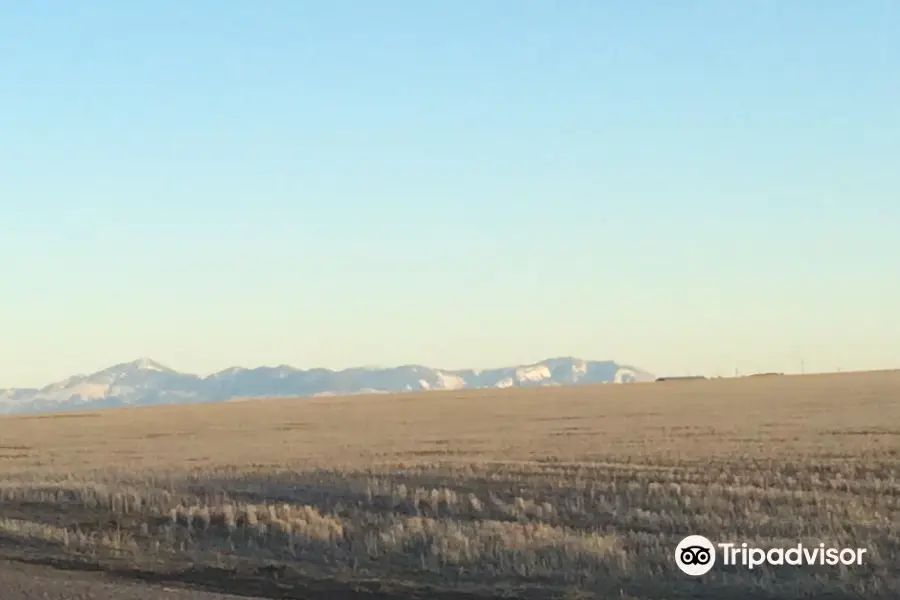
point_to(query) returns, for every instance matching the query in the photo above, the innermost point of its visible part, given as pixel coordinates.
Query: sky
(688, 187)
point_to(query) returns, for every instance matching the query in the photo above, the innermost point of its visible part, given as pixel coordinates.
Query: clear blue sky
(686, 186)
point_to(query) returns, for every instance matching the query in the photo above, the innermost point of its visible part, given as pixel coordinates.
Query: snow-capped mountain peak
(533, 373)
(145, 381)
(146, 364)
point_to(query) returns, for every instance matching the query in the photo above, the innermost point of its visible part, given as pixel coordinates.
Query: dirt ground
(39, 578)
(21, 581)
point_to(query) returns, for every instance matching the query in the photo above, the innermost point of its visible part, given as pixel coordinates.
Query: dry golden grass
(539, 492)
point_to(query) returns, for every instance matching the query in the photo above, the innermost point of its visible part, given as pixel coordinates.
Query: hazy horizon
(335, 368)
(801, 369)
(687, 187)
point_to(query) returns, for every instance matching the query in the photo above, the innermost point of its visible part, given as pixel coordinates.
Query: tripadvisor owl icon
(695, 555)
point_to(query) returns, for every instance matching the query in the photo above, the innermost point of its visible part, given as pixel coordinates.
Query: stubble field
(565, 492)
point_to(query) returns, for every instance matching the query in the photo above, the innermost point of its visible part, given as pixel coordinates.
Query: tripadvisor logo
(695, 555)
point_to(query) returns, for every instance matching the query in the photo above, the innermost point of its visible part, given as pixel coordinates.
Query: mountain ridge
(144, 382)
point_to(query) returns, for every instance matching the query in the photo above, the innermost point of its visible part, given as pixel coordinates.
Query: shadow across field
(275, 584)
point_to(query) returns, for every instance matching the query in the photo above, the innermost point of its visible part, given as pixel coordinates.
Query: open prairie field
(563, 492)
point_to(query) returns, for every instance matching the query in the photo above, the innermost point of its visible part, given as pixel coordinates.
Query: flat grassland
(561, 492)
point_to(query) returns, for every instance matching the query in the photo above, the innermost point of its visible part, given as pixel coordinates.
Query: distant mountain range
(146, 382)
